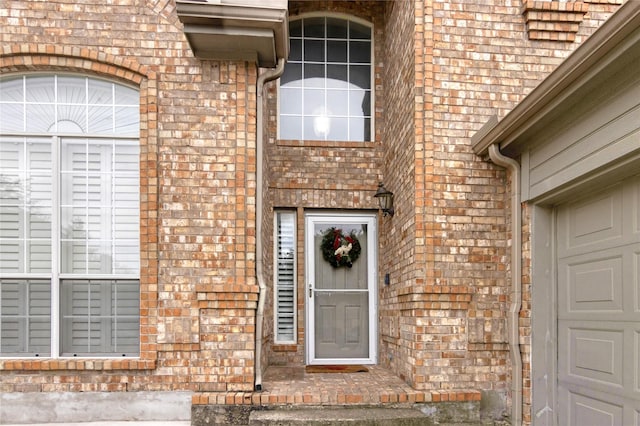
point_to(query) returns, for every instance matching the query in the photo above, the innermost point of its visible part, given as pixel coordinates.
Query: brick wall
(197, 193)
(320, 174)
(401, 166)
(484, 63)
(442, 68)
(443, 318)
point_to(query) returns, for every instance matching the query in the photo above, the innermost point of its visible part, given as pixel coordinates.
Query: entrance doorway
(340, 288)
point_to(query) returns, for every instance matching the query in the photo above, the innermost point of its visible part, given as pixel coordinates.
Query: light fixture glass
(385, 199)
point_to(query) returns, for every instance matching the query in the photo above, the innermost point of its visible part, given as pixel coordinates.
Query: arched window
(69, 216)
(326, 90)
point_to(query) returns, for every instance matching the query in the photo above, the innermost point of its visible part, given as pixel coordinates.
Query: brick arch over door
(52, 58)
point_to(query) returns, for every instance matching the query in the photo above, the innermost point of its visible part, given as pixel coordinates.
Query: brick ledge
(77, 364)
(309, 398)
(553, 20)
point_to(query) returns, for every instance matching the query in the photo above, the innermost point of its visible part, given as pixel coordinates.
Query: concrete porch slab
(290, 394)
(292, 385)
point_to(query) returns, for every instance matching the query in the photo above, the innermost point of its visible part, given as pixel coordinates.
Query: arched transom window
(326, 90)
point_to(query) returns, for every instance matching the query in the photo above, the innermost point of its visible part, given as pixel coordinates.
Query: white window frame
(276, 314)
(357, 20)
(55, 276)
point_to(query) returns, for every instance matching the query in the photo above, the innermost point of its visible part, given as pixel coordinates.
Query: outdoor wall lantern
(385, 198)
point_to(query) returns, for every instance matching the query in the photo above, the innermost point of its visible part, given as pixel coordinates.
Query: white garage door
(598, 261)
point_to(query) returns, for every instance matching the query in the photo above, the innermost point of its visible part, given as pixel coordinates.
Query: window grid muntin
(30, 102)
(55, 276)
(362, 121)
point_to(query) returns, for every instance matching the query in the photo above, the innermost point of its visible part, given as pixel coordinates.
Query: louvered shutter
(25, 245)
(38, 216)
(100, 207)
(100, 317)
(25, 205)
(25, 317)
(125, 311)
(100, 216)
(285, 278)
(85, 219)
(126, 207)
(11, 202)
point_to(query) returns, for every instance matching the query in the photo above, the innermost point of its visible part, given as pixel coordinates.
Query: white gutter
(513, 333)
(269, 75)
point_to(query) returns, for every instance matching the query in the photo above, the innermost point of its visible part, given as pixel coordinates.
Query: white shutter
(25, 205)
(25, 317)
(11, 211)
(11, 201)
(79, 304)
(85, 209)
(38, 215)
(285, 278)
(100, 207)
(100, 317)
(100, 236)
(125, 308)
(126, 207)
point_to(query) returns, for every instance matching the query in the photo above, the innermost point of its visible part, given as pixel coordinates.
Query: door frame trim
(310, 219)
(544, 315)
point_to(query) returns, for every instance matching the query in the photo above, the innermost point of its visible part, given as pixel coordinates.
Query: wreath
(339, 249)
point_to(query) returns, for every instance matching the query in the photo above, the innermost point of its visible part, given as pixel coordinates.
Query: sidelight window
(285, 278)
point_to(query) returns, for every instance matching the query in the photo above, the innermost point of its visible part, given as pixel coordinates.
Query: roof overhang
(249, 30)
(612, 49)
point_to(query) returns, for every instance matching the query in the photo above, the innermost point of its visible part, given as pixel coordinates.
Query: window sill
(326, 144)
(87, 364)
(285, 347)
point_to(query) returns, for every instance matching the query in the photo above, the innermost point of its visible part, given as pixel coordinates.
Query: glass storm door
(340, 288)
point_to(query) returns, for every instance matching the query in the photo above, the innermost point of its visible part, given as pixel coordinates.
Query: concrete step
(440, 413)
(370, 416)
(338, 417)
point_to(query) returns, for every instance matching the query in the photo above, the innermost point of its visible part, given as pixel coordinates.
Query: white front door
(340, 288)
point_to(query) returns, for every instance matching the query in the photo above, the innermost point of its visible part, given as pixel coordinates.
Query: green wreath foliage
(335, 248)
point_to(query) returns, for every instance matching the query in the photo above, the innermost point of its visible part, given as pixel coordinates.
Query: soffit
(236, 29)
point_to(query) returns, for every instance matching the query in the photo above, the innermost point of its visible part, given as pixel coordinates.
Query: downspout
(513, 333)
(268, 75)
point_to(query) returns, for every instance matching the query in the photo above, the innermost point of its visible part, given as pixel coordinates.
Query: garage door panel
(579, 406)
(592, 283)
(598, 307)
(591, 223)
(591, 410)
(592, 355)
